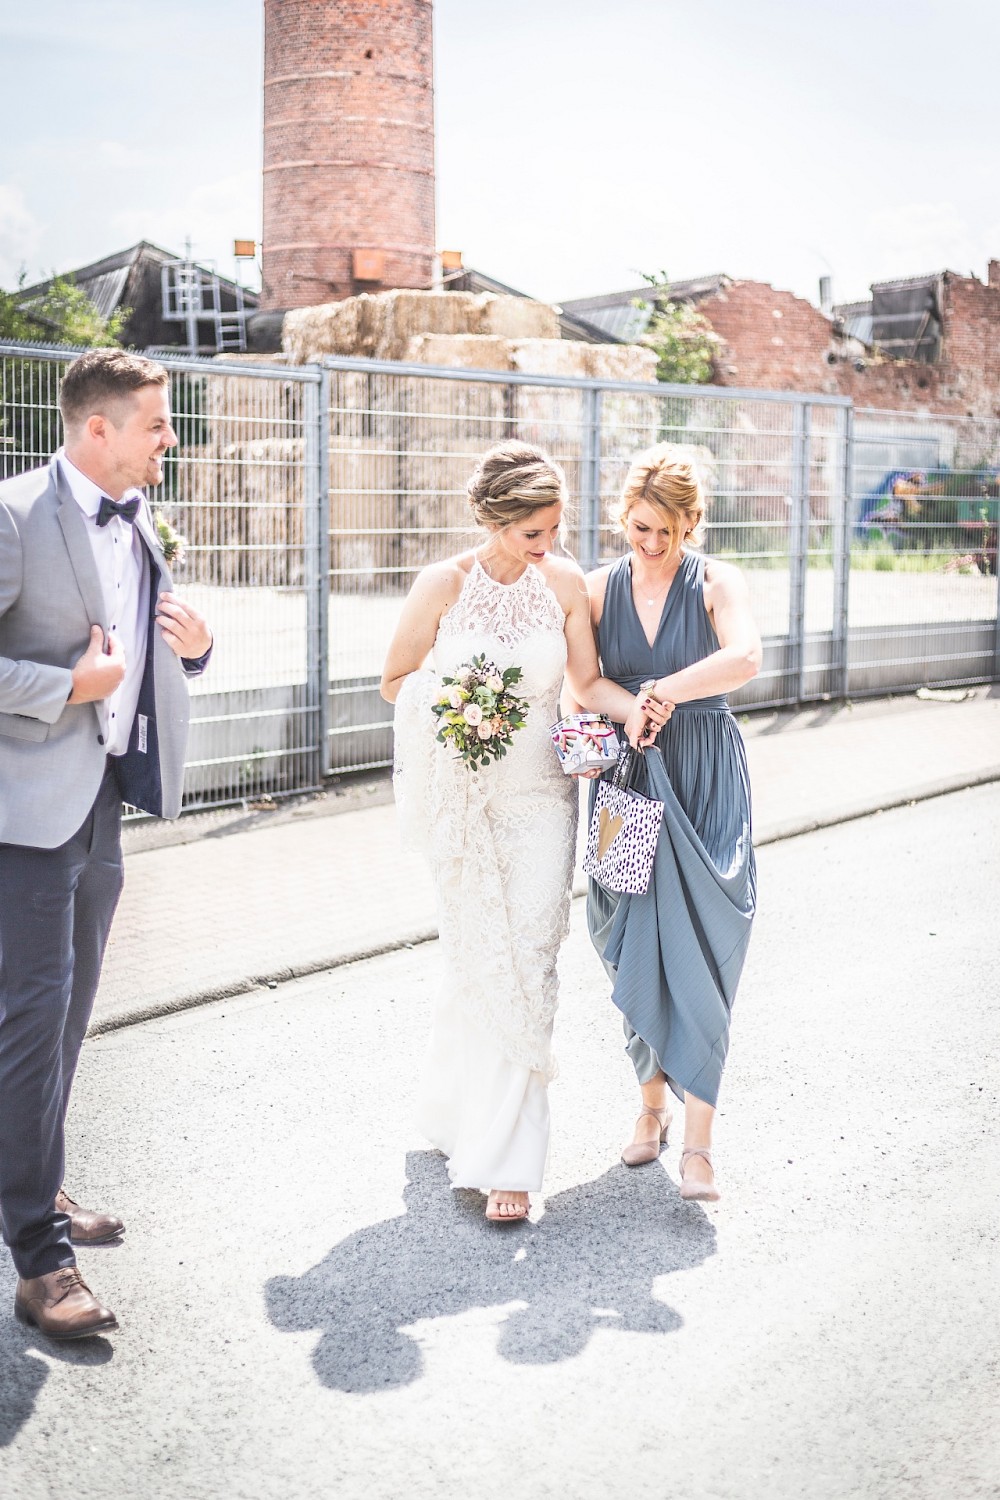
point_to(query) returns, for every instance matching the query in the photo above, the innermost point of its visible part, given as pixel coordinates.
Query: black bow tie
(127, 509)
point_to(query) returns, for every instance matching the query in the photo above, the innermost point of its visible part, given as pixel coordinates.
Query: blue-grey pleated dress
(675, 953)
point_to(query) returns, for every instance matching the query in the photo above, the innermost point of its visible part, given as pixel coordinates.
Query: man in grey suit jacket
(94, 651)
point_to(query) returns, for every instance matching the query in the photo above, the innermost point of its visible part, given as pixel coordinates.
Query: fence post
(316, 414)
(798, 549)
(841, 545)
(590, 486)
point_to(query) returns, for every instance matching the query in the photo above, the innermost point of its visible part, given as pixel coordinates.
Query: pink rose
(472, 714)
(485, 730)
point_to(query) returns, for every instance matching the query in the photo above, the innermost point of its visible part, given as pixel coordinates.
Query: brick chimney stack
(993, 274)
(348, 149)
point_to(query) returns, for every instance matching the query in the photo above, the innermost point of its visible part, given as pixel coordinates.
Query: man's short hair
(102, 381)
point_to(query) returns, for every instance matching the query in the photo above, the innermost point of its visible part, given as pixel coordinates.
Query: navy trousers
(56, 907)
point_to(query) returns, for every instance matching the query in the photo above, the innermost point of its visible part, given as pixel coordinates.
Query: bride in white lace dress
(500, 840)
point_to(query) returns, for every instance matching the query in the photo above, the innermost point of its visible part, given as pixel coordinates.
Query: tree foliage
(683, 341)
(64, 314)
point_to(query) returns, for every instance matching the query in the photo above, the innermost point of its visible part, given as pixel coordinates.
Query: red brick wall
(348, 146)
(770, 339)
(773, 340)
(970, 347)
(901, 386)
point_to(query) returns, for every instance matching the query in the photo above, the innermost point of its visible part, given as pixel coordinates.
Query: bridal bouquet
(477, 712)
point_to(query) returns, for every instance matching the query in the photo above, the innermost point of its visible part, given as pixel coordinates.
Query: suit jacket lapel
(145, 529)
(81, 553)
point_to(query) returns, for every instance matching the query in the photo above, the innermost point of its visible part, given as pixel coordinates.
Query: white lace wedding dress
(501, 843)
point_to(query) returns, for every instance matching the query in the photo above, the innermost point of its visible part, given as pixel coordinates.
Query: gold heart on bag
(609, 826)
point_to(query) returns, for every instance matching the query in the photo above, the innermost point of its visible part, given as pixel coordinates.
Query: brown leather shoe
(61, 1305)
(86, 1227)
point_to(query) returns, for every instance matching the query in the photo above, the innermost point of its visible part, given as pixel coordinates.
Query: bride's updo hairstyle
(667, 480)
(511, 482)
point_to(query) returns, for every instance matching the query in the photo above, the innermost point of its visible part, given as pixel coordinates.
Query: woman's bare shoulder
(444, 579)
(725, 576)
(597, 582)
(564, 577)
(558, 566)
(715, 567)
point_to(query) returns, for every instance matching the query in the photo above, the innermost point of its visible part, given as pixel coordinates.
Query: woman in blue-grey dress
(678, 624)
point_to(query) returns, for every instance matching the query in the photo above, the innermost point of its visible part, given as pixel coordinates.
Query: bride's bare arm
(434, 591)
(584, 682)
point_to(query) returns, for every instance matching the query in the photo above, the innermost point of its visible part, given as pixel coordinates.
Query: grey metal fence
(243, 487)
(311, 496)
(925, 500)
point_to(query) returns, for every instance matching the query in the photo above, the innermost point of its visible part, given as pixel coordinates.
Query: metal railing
(311, 496)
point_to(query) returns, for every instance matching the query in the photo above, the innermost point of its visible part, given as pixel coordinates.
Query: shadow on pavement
(23, 1371)
(589, 1264)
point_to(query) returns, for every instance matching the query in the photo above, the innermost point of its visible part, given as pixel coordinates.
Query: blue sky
(579, 141)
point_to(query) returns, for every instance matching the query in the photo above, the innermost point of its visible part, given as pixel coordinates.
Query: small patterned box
(585, 742)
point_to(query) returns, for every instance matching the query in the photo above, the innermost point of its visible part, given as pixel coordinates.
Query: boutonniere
(171, 541)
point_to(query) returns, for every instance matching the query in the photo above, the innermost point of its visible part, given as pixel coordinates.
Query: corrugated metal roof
(618, 317)
(906, 318)
(899, 282)
(581, 329)
(105, 291)
(109, 276)
(855, 318)
(620, 320)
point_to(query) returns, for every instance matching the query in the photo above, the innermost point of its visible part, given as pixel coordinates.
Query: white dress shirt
(117, 553)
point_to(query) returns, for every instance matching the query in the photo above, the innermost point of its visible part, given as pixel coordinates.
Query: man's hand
(182, 627)
(100, 669)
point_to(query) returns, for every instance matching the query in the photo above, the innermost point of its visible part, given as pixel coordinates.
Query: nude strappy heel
(637, 1154)
(698, 1192)
(519, 1214)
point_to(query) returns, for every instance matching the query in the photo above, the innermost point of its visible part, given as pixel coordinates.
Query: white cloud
(20, 234)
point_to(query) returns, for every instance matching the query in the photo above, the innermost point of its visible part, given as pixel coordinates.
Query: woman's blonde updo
(511, 482)
(666, 479)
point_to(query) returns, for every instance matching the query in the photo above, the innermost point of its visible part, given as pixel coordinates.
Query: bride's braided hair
(511, 482)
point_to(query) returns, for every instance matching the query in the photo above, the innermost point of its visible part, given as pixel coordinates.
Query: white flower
(472, 714)
(485, 730)
(495, 683)
(455, 698)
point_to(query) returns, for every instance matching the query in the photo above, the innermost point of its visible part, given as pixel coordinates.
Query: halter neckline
(496, 582)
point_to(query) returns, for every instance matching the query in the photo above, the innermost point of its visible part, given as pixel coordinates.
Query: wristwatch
(648, 686)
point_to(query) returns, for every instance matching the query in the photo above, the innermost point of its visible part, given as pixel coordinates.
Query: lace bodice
(509, 611)
(515, 624)
(500, 840)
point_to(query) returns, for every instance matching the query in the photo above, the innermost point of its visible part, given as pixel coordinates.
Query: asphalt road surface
(308, 1311)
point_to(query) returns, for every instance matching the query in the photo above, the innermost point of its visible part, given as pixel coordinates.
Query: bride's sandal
(693, 1191)
(640, 1152)
(513, 1213)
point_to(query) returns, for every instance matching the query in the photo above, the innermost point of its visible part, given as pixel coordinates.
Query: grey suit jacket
(52, 754)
